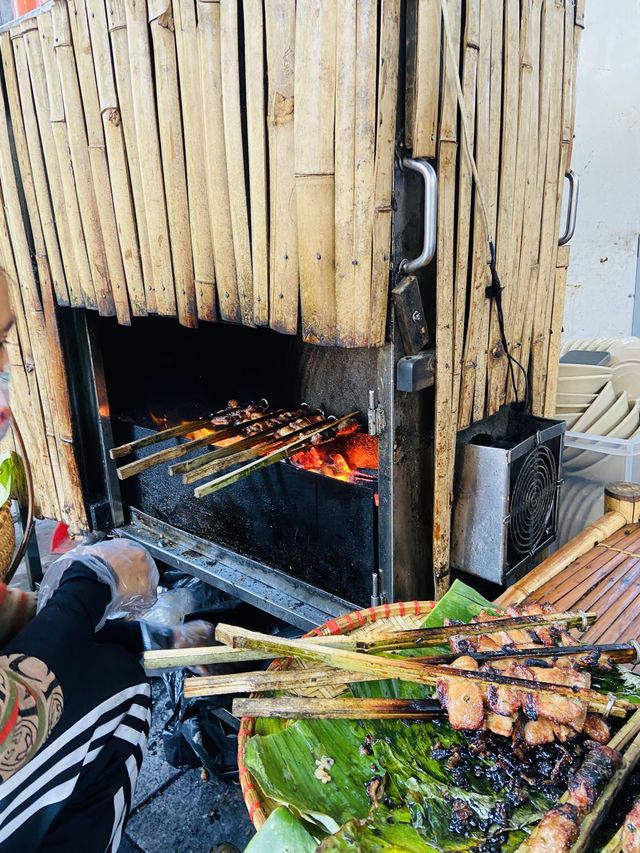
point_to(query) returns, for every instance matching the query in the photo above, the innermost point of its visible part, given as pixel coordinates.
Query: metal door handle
(572, 208)
(430, 214)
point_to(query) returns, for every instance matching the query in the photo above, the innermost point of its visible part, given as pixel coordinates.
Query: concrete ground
(174, 810)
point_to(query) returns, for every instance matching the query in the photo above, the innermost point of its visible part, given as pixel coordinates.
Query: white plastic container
(589, 462)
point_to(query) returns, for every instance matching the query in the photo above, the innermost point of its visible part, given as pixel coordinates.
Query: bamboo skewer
(280, 26)
(266, 461)
(194, 149)
(172, 153)
(156, 438)
(202, 656)
(303, 708)
(234, 148)
(169, 453)
(216, 160)
(257, 153)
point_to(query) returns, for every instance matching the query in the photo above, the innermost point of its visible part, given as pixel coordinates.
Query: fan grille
(532, 499)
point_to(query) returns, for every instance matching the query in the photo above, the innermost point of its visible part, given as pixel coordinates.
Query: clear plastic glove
(129, 571)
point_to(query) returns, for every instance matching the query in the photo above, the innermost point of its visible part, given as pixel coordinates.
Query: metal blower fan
(507, 489)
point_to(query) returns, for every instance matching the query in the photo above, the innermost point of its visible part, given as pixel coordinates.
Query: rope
(619, 550)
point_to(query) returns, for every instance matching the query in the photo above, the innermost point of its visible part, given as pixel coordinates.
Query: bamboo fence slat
(280, 21)
(172, 153)
(216, 160)
(194, 149)
(555, 332)
(257, 151)
(345, 170)
(445, 429)
(388, 59)
(149, 157)
(95, 17)
(577, 34)
(117, 26)
(13, 42)
(235, 154)
(314, 166)
(424, 140)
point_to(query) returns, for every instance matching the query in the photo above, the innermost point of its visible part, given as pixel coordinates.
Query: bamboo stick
(600, 530)
(273, 457)
(385, 148)
(257, 153)
(280, 24)
(117, 25)
(614, 845)
(345, 171)
(76, 23)
(216, 168)
(149, 158)
(311, 708)
(445, 428)
(161, 23)
(577, 33)
(13, 40)
(471, 42)
(156, 438)
(194, 149)
(203, 656)
(424, 142)
(166, 455)
(78, 147)
(235, 155)
(314, 167)
(115, 146)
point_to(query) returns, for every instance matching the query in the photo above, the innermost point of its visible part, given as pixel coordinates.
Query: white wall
(606, 157)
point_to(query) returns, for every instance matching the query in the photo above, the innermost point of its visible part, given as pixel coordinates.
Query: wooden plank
(445, 427)
(236, 157)
(555, 335)
(388, 60)
(280, 24)
(77, 23)
(345, 171)
(424, 140)
(117, 22)
(577, 35)
(194, 149)
(315, 75)
(497, 366)
(109, 107)
(13, 42)
(172, 152)
(216, 161)
(465, 193)
(257, 151)
(149, 157)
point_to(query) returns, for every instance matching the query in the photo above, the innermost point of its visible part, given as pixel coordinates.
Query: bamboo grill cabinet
(249, 162)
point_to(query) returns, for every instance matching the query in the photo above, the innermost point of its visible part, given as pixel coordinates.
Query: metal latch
(376, 416)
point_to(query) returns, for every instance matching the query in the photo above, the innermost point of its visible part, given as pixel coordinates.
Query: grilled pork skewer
(630, 839)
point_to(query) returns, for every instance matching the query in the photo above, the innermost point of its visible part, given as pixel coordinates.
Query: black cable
(494, 291)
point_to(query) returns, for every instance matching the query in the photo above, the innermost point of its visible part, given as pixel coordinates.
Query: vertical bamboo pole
(54, 26)
(555, 334)
(472, 368)
(345, 172)
(280, 27)
(257, 149)
(234, 147)
(365, 130)
(194, 148)
(497, 362)
(385, 148)
(577, 33)
(465, 193)
(14, 53)
(424, 142)
(109, 109)
(216, 160)
(148, 142)
(117, 24)
(314, 165)
(445, 427)
(173, 163)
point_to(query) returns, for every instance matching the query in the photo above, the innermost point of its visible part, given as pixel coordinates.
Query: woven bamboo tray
(401, 615)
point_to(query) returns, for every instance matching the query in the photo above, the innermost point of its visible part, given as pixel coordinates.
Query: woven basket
(402, 614)
(7, 539)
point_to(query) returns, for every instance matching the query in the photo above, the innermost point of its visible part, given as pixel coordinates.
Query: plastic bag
(129, 571)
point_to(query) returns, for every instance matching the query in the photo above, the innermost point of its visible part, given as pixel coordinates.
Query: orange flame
(333, 465)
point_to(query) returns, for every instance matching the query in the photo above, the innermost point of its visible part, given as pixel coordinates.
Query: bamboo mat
(605, 580)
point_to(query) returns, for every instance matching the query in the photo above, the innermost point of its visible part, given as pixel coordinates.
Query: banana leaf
(282, 833)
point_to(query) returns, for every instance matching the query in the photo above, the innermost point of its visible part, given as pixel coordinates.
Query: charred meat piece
(597, 729)
(563, 733)
(501, 638)
(631, 830)
(503, 700)
(596, 770)
(542, 633)
(500, 725)
(462, 698)
(562, 675)
(557, 830)
(538, 731)
(559, 709)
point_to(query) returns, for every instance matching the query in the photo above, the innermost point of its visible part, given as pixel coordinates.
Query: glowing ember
(328, 464)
